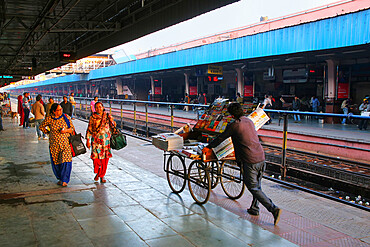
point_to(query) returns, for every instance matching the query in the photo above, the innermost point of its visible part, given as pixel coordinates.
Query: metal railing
(285, 114)
(114, 105)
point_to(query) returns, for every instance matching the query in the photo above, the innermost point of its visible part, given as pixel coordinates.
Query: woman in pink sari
(20, 109)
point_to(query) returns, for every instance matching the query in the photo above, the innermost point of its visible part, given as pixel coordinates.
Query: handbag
(117, 140)
(75, 141)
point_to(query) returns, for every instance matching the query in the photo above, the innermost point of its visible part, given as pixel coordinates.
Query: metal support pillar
(285, 134)
(146, 120)
(171, 118)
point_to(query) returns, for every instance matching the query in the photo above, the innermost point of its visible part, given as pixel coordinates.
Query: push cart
(202, 175)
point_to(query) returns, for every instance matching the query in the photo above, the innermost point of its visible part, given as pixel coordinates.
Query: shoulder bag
(117, 140)
(75, 141)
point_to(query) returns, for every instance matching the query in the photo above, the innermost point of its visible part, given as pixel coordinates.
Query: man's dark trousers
(252, 176)
(26, 122)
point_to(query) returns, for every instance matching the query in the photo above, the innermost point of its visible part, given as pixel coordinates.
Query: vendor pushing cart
(205, 171)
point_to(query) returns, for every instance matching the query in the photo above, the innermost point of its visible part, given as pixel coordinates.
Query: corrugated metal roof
(342, 31)
(322, 12)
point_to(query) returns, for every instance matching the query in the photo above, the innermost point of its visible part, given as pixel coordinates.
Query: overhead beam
(173, 14)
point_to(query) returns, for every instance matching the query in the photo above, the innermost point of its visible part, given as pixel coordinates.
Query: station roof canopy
(36, 36)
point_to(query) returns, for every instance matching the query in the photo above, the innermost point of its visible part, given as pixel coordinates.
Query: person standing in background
(315, 104)
(186, 101)
(239, 98)
(26, 109)
(39, 113)
(267, 104)
(48, 105)
(200, 99)
(296, 105)
(20, 109)
(345, 108)
(73, 102)
(364, 107)
(92, 105)
(67, 106)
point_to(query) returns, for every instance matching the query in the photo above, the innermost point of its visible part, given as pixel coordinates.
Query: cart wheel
(176, 173)
(231, 180)
(199, 181)
(214, 170)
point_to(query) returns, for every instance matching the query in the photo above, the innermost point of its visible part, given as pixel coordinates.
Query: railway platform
(136, 207)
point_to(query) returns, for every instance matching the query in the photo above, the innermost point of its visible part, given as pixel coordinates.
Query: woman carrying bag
(98, 136)
(60, 151)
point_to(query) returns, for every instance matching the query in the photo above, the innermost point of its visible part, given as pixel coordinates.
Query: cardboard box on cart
(168, 141)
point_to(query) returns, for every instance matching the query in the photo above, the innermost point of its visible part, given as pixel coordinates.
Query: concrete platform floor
(136, 207)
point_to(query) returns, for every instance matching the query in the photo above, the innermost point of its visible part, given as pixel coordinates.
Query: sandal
(59, 183)
(96, 178)
(64, 184)
(102, 180)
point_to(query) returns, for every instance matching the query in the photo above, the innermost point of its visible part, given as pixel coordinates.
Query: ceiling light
(356, 51)
(325, 55)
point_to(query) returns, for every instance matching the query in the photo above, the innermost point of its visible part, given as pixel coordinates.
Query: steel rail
(333, 198)
(314, 142)
(327, 157)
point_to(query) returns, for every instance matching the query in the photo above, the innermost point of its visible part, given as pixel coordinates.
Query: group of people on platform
(314, 106)
(4, 96)
(200, 99)
(364, 109)
(55, 121)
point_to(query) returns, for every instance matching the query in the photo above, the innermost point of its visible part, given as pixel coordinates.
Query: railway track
(339, 178)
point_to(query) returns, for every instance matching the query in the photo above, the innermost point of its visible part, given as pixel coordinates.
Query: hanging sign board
(193, 86)
(343, 89)
(214, 70)
(248, 85)
(158, 86)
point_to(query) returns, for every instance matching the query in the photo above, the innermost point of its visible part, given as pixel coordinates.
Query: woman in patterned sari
(60, 151)
(98, 137)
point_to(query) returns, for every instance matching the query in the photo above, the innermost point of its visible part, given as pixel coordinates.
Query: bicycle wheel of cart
(231, 180)
(213, 174)
(176, 173)
(199, 182)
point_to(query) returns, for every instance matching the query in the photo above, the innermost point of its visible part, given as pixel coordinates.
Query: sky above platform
(242, 13)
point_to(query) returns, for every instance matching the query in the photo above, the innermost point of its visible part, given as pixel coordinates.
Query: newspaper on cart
(259, 118)
(226, 148)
